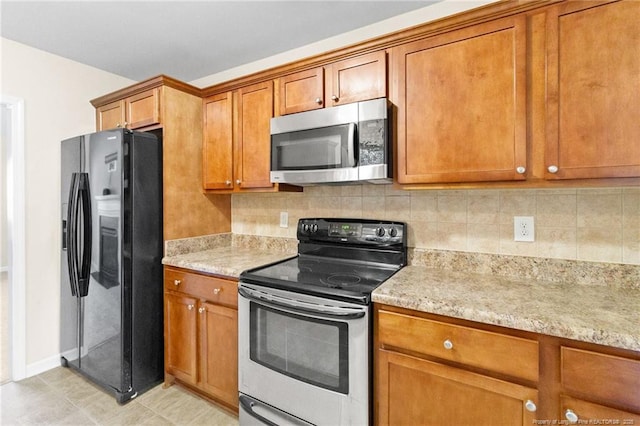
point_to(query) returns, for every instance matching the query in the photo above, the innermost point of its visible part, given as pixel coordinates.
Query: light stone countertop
(592, 313)
(531, 294)
(228, 261)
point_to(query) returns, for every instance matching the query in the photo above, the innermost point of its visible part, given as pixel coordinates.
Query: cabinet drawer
(213, 289)
(588, 413)
(504, 354)
(601, 376)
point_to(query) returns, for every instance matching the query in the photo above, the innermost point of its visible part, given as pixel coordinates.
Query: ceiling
(187, 40)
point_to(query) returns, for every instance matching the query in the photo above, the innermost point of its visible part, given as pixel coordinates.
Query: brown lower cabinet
(201, 334)
(435, 370)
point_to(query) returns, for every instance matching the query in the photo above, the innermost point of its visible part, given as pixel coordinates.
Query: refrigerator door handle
(84, 195)
(71, 238)
(79, 198)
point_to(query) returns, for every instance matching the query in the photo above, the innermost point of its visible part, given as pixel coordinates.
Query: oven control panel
(359, 231)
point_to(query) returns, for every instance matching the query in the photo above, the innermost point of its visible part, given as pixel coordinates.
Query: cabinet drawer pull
(530, 406)
(177, 282)
(571, 416)
(217, 291)
(190, 307)
(448, 344)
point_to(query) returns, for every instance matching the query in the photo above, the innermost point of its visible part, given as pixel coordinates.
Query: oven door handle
(339, 313)
(247, 404)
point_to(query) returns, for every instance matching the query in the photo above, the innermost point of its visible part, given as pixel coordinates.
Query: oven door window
(312, 350)
(324, 148)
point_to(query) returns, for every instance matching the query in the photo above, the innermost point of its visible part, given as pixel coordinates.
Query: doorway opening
(12, 240)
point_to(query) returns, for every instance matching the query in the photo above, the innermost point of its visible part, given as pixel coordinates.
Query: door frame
(16, 210)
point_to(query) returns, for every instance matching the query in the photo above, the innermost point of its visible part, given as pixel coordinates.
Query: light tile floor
(61, 397)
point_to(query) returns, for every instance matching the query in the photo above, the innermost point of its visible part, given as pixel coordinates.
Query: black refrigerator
(111, 312)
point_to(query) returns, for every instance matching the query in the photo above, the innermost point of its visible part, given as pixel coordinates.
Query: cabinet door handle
(201, 310)
(520, 170)
(552, 169)
(448, 344)
(177, 282)
(227, 182)
(334, 98)
(190, 307)
(238, 181)
(571, 416)
(319, 101)
(530, 406)
(217, 291)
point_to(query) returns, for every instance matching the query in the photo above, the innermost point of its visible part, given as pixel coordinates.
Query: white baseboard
(43, 365)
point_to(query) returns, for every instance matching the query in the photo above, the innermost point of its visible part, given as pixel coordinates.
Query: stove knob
(380, 232)
(314, 228)
(305, 227)
(393, 232)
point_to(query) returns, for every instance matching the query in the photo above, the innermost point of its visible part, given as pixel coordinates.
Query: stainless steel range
(304, 324)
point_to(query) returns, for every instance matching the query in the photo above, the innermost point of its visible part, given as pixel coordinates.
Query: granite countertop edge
(589, 313)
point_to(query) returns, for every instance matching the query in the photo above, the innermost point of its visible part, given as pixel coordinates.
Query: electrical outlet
(523, 228)
(284, 219)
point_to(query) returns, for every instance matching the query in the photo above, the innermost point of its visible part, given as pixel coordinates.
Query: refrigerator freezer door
(92, 166)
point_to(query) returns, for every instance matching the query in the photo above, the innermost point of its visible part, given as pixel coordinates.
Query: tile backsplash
(599, 224)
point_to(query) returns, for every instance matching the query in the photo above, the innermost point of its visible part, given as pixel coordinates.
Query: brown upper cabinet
(172, 110)
(593, 82)
(134, 112)
(461, 104)
(355, 79)
(217, 145)
(237, 139)
(237, 145)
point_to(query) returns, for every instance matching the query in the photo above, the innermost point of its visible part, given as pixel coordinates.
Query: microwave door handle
(297, 308)
(351, 149)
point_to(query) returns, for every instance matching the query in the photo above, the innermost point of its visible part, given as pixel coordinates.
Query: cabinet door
(356, 79)
(180, 336)
(593, 82)
(461, 100)
(143, 109)
(110, 116)
(253, 142)
(302, 91)
(583, 412)
(217, 145)
(219, 352)
(413, 391)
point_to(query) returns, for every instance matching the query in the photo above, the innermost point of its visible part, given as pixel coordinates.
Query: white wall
(56, 93)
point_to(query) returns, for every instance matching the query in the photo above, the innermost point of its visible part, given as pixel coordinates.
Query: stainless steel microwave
(347, 143)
